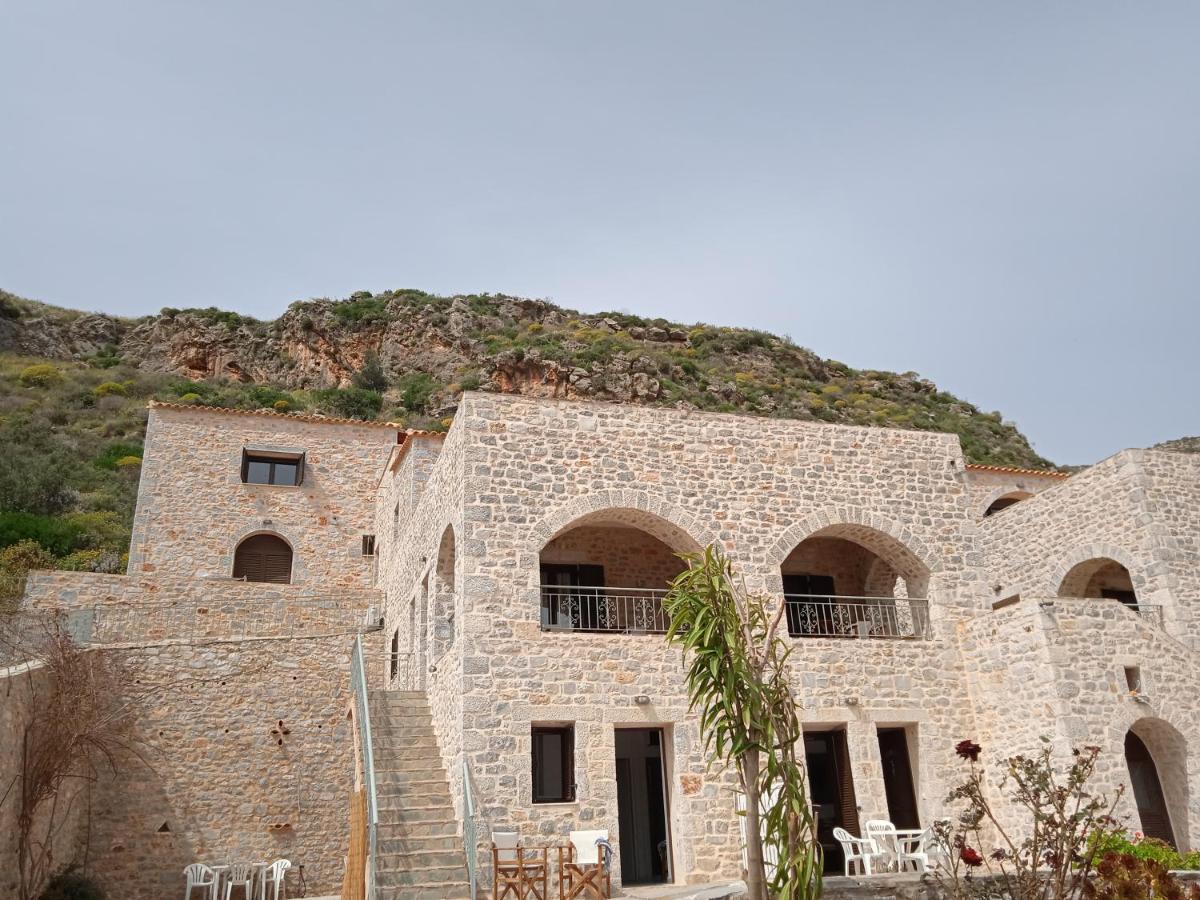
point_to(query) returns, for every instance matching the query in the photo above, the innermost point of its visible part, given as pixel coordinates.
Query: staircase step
(425, 892)
(425, 875)
(392, 826)
(423, 860)
(401, 811)
(387, 753)
(396, 843)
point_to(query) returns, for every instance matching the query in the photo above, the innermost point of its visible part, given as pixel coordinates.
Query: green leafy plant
(349, 403)
(738, 678)
(1123, 876)
(41, 375)
(72, 885)
(371, 376)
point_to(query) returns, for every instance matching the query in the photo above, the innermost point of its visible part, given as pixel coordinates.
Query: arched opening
(1156, 754)
(608, 571)
(1005, 501)
(443, 599)
(1100, 578)
(854, 581)
(263, 557)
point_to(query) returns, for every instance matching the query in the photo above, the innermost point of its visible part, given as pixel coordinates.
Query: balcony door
(642, 814)
(832, 788)
(566, 600)
(809, 611)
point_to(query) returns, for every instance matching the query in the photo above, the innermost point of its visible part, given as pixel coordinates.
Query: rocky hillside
(321, 355)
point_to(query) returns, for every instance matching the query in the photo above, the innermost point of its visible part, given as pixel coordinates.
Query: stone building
(514, 568)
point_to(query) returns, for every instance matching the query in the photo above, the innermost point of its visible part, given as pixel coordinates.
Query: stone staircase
(419, 843)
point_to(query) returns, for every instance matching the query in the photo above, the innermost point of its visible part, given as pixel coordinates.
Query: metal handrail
(822, 615)
(611, 610)
(358, 680)
(470, 830)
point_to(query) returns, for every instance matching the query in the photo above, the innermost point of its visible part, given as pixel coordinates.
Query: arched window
(263, 557)
(1005, 502)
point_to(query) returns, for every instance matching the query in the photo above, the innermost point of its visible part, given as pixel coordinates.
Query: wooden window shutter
(263, 557)
(847, 802)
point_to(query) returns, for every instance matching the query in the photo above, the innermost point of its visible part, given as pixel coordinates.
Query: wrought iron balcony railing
(857, 617)
(608, 610)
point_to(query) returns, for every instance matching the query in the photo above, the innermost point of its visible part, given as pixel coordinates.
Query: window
(263, 557)
(1133, 679)
(279, 467)
(395, 664)
(553, 763)
(368, 545)
(396, 519)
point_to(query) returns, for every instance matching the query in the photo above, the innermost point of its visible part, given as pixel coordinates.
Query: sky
(1003, 197)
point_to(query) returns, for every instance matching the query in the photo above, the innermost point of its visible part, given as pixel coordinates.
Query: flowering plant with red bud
(1044, 851)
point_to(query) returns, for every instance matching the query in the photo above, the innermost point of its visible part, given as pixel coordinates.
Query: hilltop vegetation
(74, 386)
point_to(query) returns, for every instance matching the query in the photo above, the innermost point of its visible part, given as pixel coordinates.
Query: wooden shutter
(263, 557)
(847, 802)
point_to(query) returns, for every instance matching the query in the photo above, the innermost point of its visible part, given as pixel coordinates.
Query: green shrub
(108, 388)
(415, 390)
(349, 403)
(371, 376)
(362, 309)
(190, 397)
(56, 535)
(72, 885)
(16, 562)
(113, 453)
(40, 375)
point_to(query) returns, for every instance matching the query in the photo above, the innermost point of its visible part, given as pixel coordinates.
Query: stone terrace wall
(1173, 498)
(193, 509)
(1102, 512)
(223, 780)
(757, 487)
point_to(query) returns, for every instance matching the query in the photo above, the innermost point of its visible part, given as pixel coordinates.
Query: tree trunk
(756, 873)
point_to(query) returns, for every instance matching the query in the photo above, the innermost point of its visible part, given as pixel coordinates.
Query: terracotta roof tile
(1014, 470)
(293, 417)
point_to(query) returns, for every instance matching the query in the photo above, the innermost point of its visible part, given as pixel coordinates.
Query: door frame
(664, 731)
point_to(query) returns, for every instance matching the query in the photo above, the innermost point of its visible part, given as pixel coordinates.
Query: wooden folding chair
(520, 872)
(585, 872)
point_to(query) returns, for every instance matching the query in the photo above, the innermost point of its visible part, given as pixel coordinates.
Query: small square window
(1133, 679)
(368, 545)
(553, 763)
(285, 468)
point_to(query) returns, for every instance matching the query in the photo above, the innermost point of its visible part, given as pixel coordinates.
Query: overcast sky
(1003, 197)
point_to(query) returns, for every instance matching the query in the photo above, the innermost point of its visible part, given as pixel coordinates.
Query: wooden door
(898, 778)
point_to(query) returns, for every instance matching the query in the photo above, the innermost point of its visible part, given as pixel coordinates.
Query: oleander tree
(738, 680)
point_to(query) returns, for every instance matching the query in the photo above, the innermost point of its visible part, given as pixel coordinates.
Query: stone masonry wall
(21, 686)
(988, 485)
(630, 558)
(756, 487)
(1105, 512)
(247, 749)
(1055, 668)
(193, 509)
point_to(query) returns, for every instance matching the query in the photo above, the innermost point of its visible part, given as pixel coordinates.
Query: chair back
(276, 869)
(843, 837)
(240, 873)
(505, 845)
(883, 835)
(587, 848)
(198, 874)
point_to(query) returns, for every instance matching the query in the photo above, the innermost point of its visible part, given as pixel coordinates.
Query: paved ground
(686, 892)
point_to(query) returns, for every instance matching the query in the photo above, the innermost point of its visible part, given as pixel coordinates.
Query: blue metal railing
(358, 679)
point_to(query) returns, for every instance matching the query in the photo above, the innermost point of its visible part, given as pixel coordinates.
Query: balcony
(811, 615)
(603, 610)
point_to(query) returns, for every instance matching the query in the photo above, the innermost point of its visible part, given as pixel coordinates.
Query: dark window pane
(285, 473)
(553, 765)
(258, 471)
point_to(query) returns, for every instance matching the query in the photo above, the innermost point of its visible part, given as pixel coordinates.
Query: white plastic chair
(856, 852)
(240, 875)
(882, 834)
(273, 877)
(915, 851)
(200, 876)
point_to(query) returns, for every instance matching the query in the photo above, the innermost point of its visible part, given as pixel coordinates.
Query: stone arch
(678, 529)
(1002, 498)
(903, 552)
(444, 590)
(1072, 574)
(1167, 748)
